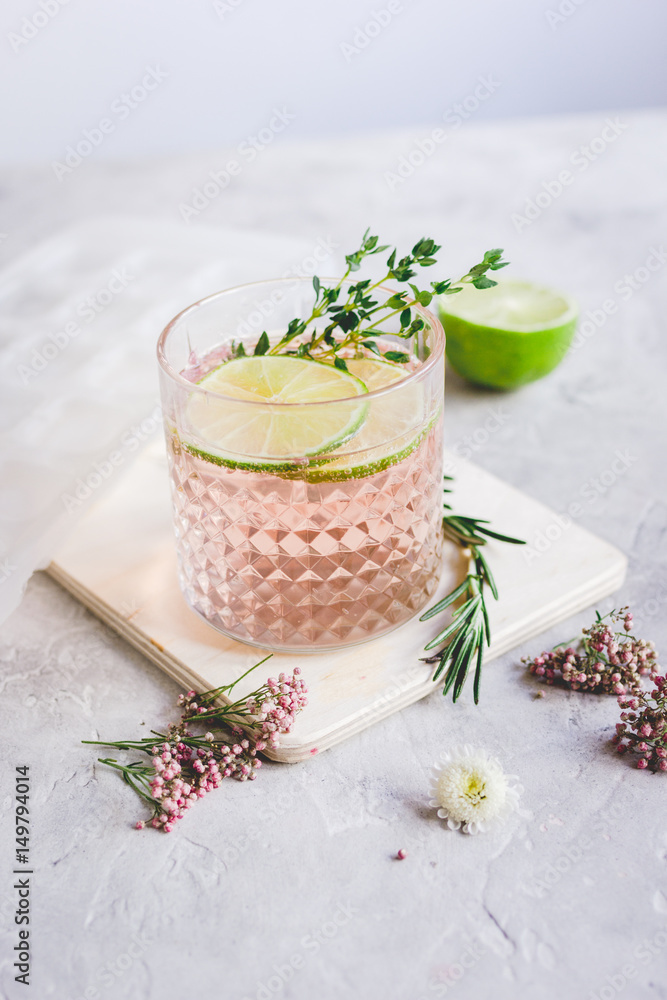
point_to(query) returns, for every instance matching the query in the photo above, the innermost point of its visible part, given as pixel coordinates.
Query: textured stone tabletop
(288, 887)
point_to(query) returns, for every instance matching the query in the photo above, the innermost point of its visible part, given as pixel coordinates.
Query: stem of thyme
(356, 322)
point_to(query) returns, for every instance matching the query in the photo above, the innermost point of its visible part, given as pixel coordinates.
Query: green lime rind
(498, 359)
(322, 474)
(278, 468)
(310, 474)
(315, 473)
(266, 464)
(497, 356)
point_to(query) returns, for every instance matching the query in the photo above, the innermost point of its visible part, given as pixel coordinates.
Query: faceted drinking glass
(301, 553)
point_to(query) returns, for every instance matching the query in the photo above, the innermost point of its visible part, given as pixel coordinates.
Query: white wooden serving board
(121, 563)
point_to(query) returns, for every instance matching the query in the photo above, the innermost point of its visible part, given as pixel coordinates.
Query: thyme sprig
(463, 640)
(355, 317)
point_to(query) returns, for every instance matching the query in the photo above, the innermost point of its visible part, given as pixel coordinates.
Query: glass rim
(414, 376)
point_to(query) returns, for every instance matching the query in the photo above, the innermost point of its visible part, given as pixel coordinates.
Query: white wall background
(230, 62)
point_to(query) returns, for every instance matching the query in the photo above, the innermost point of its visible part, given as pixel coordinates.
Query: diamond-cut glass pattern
(296, 565)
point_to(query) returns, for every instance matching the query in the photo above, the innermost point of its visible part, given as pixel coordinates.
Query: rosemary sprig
(354, 318)
(463, 640)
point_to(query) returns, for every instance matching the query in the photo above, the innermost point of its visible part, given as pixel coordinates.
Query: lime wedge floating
(508, 335)
(259, 437)
(393, 427)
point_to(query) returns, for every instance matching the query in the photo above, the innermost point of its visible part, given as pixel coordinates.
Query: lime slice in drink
(508, 335)
(233, 428)
(375, 373)
(393, 427)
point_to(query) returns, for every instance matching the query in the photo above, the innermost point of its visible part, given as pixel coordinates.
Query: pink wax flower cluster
(273, 708)
(186, 765)
(643, 726)
(602, 661)
(182, 776)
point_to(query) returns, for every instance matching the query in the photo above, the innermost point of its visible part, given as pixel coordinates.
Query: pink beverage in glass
(310, 553)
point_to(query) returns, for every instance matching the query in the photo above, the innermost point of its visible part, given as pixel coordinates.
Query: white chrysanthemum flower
(470, 790)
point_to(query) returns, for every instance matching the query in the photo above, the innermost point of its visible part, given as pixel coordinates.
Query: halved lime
(508, 335)
(267, 436)
(393, 427)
